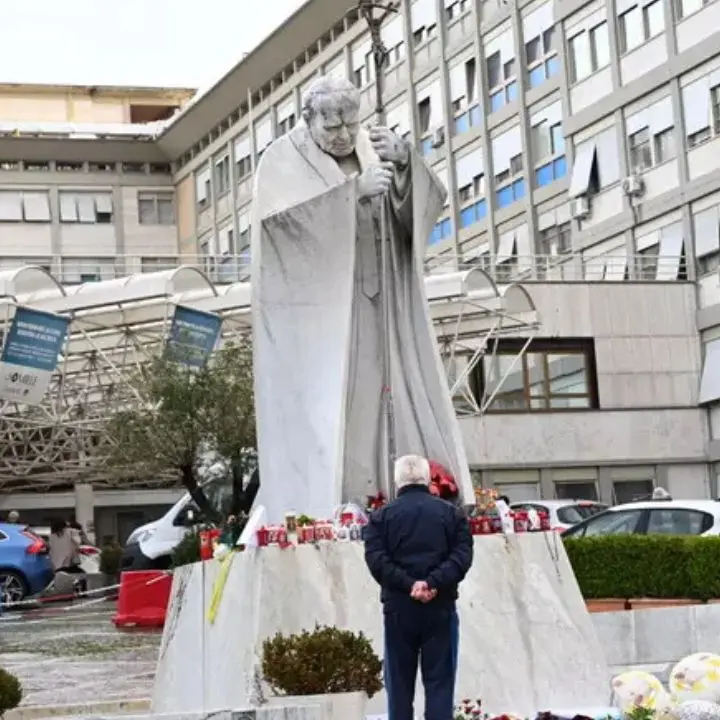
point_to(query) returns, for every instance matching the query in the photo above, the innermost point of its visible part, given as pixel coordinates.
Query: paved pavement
(73, 654)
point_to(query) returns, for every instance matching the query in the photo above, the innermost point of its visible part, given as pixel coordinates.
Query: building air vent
(633, 186)
(580, 207)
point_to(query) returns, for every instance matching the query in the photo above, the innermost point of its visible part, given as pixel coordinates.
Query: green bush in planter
(10, 692)
(110, 558)
(322, 661)
(658, 566)
(187, 551)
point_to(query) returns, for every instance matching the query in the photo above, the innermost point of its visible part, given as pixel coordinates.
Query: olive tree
(180, 416)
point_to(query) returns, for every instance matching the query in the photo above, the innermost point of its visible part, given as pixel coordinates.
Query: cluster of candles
(491, 524)
(302, 530)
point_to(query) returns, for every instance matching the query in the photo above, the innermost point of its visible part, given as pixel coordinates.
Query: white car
(563, 514)
(653, 517)
(89, 554)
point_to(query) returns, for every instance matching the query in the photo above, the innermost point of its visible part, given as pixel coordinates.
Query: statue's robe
(319, 332)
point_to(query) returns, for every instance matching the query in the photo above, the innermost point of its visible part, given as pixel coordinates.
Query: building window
(627, 491)
(513, 183)
(575, 490)
(541, 58)
(589, 52)
(501, 80)
(552, 375)
(548, 144)
(646, 151)
(638, 25)
(441, 231)
(22, 206)
(286, 124)
(688, 7)
(463, 92)
(86, 208)
(556, 240)
(455, 8)
(222, 175)
(473, 204)
(202, 188)
(156, 208)
(640, 150)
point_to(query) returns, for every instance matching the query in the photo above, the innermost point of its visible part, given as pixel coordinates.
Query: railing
(224, 269)
(569, 267)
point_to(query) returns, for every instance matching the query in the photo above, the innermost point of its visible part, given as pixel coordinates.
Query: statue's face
(334, 125)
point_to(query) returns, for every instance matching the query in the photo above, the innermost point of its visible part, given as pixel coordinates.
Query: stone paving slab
(74, 656)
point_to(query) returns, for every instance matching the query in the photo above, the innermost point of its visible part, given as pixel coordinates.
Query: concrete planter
(340, 706)
(606, 605)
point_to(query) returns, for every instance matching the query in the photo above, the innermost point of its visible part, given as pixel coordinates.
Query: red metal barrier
(143, 598)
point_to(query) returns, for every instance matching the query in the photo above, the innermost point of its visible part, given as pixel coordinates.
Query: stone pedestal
(526, 640)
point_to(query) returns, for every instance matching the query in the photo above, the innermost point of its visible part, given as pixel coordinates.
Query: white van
(150, 546)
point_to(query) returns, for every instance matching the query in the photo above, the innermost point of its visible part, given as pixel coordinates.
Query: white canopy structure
(116, 325)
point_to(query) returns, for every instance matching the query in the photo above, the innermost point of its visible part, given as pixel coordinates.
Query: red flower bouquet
(442, 483)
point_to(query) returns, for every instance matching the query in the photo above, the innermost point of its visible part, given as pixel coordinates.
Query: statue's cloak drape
(318, 330)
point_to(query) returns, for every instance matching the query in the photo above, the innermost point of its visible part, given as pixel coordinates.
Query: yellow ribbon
(219, 586)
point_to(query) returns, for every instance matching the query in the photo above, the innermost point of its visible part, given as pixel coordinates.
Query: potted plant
(326, 665)
(110, 556)
(10, 692)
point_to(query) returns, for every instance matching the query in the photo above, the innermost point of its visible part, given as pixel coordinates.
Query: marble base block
(526, 640)
(337, 706)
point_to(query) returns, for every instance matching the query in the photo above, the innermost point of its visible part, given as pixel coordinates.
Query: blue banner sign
(30, 354)
(193, 336)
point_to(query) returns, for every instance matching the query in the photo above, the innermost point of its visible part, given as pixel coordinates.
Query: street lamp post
(375, 13)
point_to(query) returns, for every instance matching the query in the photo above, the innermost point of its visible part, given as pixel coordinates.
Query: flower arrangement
(375, 502)
(485, 500)
(473, 710)
(442, 483)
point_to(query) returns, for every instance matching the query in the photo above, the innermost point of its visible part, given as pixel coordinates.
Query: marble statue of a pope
(318, 323)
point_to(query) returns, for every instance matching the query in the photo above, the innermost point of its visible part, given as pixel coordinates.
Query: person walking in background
(64, 547)
(418, 548)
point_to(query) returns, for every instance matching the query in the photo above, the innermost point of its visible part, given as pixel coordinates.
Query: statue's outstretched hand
(388, 146)
(376, 180)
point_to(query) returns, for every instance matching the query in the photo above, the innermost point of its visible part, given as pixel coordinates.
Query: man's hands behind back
(421, 592)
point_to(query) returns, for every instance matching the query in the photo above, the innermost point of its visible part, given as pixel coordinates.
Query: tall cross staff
(374, 21)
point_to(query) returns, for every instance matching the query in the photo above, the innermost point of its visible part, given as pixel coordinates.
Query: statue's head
(331, 110)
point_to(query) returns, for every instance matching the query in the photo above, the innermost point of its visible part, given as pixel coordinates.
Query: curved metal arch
(29, 283)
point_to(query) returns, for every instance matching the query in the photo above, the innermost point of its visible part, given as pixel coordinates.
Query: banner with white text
(30, 354)
(193, 336)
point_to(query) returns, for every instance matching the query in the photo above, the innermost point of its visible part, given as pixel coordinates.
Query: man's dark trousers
(427, 633)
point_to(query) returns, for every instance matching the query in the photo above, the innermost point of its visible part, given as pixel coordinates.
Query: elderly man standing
(322, 195)
(419, 548)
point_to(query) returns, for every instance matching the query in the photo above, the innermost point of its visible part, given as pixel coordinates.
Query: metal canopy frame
(473, 313)
(117, 325)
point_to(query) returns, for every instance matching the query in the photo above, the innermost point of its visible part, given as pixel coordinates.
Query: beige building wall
(185, 199)
(38, 104)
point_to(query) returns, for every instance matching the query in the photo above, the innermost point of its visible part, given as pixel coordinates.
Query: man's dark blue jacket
(418, 537)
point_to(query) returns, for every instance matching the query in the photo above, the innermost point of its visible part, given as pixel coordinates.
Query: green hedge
(655, 566)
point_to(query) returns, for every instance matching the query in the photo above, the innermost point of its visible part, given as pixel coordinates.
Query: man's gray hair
(411, 470)
(348, 96)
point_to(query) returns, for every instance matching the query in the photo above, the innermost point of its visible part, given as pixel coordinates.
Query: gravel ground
(74, 655)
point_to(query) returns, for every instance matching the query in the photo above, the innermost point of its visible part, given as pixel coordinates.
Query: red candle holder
(263, 537)
(520, 518)
(485, 526)
(544, 521)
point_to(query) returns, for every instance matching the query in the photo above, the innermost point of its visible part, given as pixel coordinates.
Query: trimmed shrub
(655, 566)
(325, 660)
(187, 551)
(10, 691)
(110, 556)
